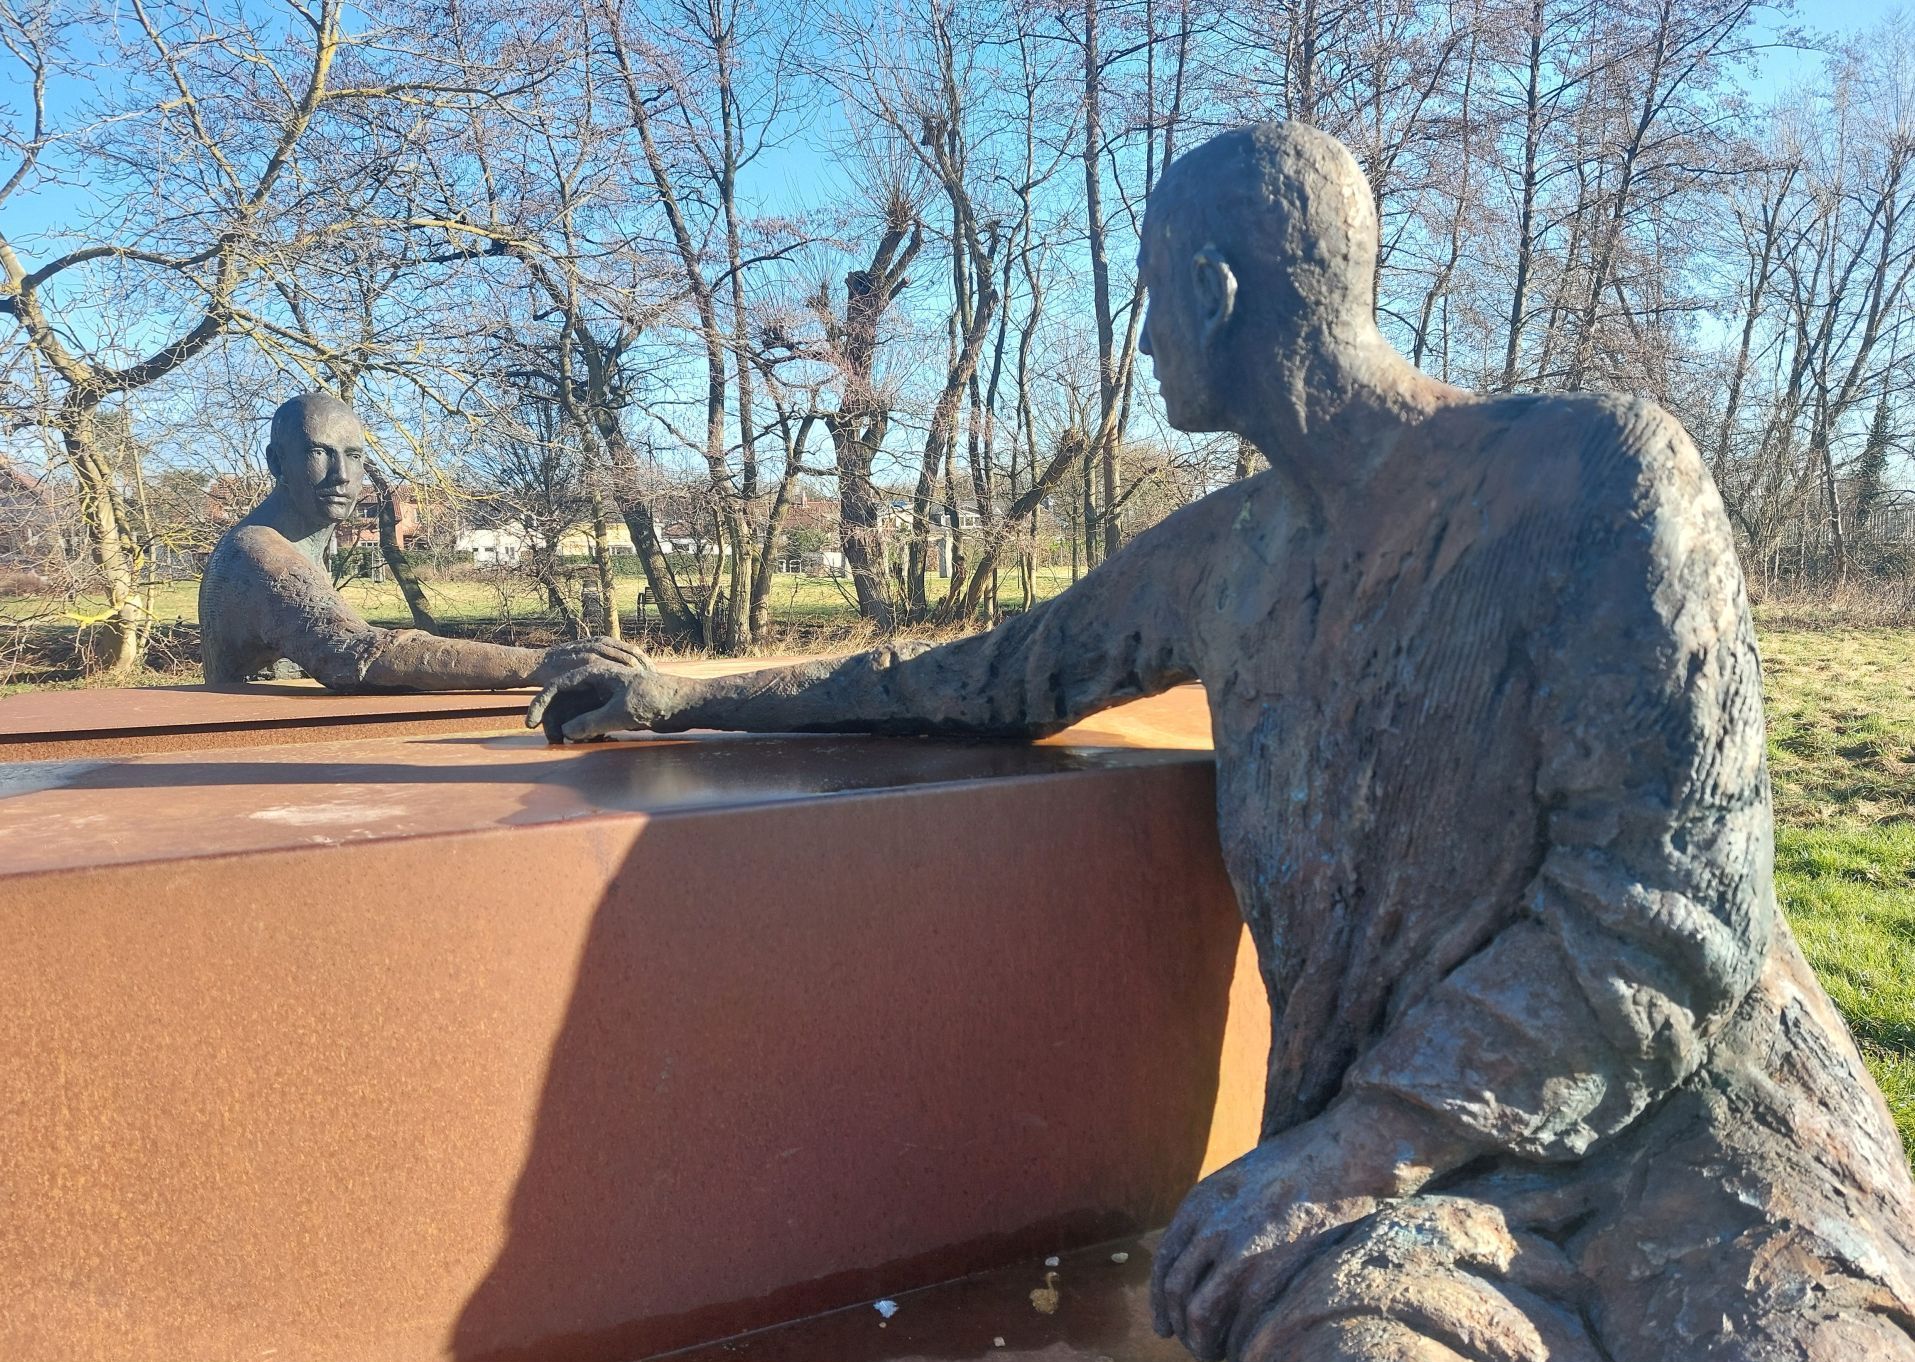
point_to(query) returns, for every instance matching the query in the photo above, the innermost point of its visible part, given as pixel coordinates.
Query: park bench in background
(350, 1028)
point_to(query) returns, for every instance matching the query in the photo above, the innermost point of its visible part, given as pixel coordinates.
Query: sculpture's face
(323, 467)
(1191, 297)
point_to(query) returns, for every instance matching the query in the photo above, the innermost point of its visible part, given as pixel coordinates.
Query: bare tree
(208, 117)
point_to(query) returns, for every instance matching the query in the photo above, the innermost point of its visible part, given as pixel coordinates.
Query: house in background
(939, 545)
(576, 541)
(499, 546)
(680, 537)
(364, 528)
(810, 538)
(30, 535)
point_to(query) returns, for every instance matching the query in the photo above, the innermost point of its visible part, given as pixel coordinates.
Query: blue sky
(803, 175)
(798, 176)
(1782, 68)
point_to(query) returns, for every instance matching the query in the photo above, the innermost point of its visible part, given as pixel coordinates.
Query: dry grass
(1861, 603)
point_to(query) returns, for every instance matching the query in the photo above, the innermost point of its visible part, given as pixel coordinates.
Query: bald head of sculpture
(317, 456)
(1259, 253)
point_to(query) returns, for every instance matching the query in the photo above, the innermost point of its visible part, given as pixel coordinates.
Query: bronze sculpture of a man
(266, 595)
(1549, 1078)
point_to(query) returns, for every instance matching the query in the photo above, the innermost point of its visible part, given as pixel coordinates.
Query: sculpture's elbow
(351, 663)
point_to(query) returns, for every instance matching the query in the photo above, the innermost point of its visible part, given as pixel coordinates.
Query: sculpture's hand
(602, 697)
(569, 657)
(1248, 1229)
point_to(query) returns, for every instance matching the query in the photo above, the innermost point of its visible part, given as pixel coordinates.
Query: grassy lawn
(1841, 706)
(794, 598)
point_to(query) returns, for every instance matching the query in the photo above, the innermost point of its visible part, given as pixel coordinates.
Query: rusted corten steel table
(394, 1042)
(58, 724)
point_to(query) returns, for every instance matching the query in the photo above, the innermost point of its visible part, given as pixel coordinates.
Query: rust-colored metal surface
(58, 815)
(79, 723)
(63, 725)
(481, 1050)
(1093, 1306)
(86, 723)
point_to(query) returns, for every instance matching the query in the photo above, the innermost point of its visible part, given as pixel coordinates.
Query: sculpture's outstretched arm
(409, 659)
(1122, 632)
(296, 611)
(1653, 910)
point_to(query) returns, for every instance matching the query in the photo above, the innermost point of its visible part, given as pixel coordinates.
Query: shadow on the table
(657, 775)
(738, 1069)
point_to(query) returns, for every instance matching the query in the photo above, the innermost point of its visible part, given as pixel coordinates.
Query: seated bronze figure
(266, 594)
(1549, 1078)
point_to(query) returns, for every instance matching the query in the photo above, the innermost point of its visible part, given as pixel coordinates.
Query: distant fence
(1877, 547)
(1888, 524)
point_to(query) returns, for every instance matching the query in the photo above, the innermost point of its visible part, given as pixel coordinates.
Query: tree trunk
(860, 517)
(120, 646)
(602, 560)
(675, 615)
(396, 561)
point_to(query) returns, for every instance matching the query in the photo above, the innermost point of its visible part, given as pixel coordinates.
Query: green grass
(794, 599)
(1841, 708)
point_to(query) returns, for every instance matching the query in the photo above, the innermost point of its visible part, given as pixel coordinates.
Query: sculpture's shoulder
(249, 551)
(234, 603)
(1595, 463)
(1646, 549)
(257, 565)
(253, 578)
(236, 572)
(1623, 455)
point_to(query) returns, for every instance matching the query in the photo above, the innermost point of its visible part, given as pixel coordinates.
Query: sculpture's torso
(1375, 745)
(1381, 692)
(262, 599)
(232, 646)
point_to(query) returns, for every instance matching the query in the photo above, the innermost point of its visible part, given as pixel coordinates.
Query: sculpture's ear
(272, 458)
(1216, 286)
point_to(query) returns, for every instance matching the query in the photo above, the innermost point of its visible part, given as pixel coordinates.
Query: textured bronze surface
(267, 596)
(1549, 1076)
(470, 1048)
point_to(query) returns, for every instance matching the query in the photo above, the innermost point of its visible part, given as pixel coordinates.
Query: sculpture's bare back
(1549, 1078)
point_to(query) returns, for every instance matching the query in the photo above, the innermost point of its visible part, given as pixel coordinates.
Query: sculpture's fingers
(1263, 1330)
(579, 691)
(536, 710)
(1266, 1337)
(580, 675)
(607, 719)
(1186, 1279)
(612, 651)
(1159, 1316)
(1211, 1310)
(1183, 1228)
